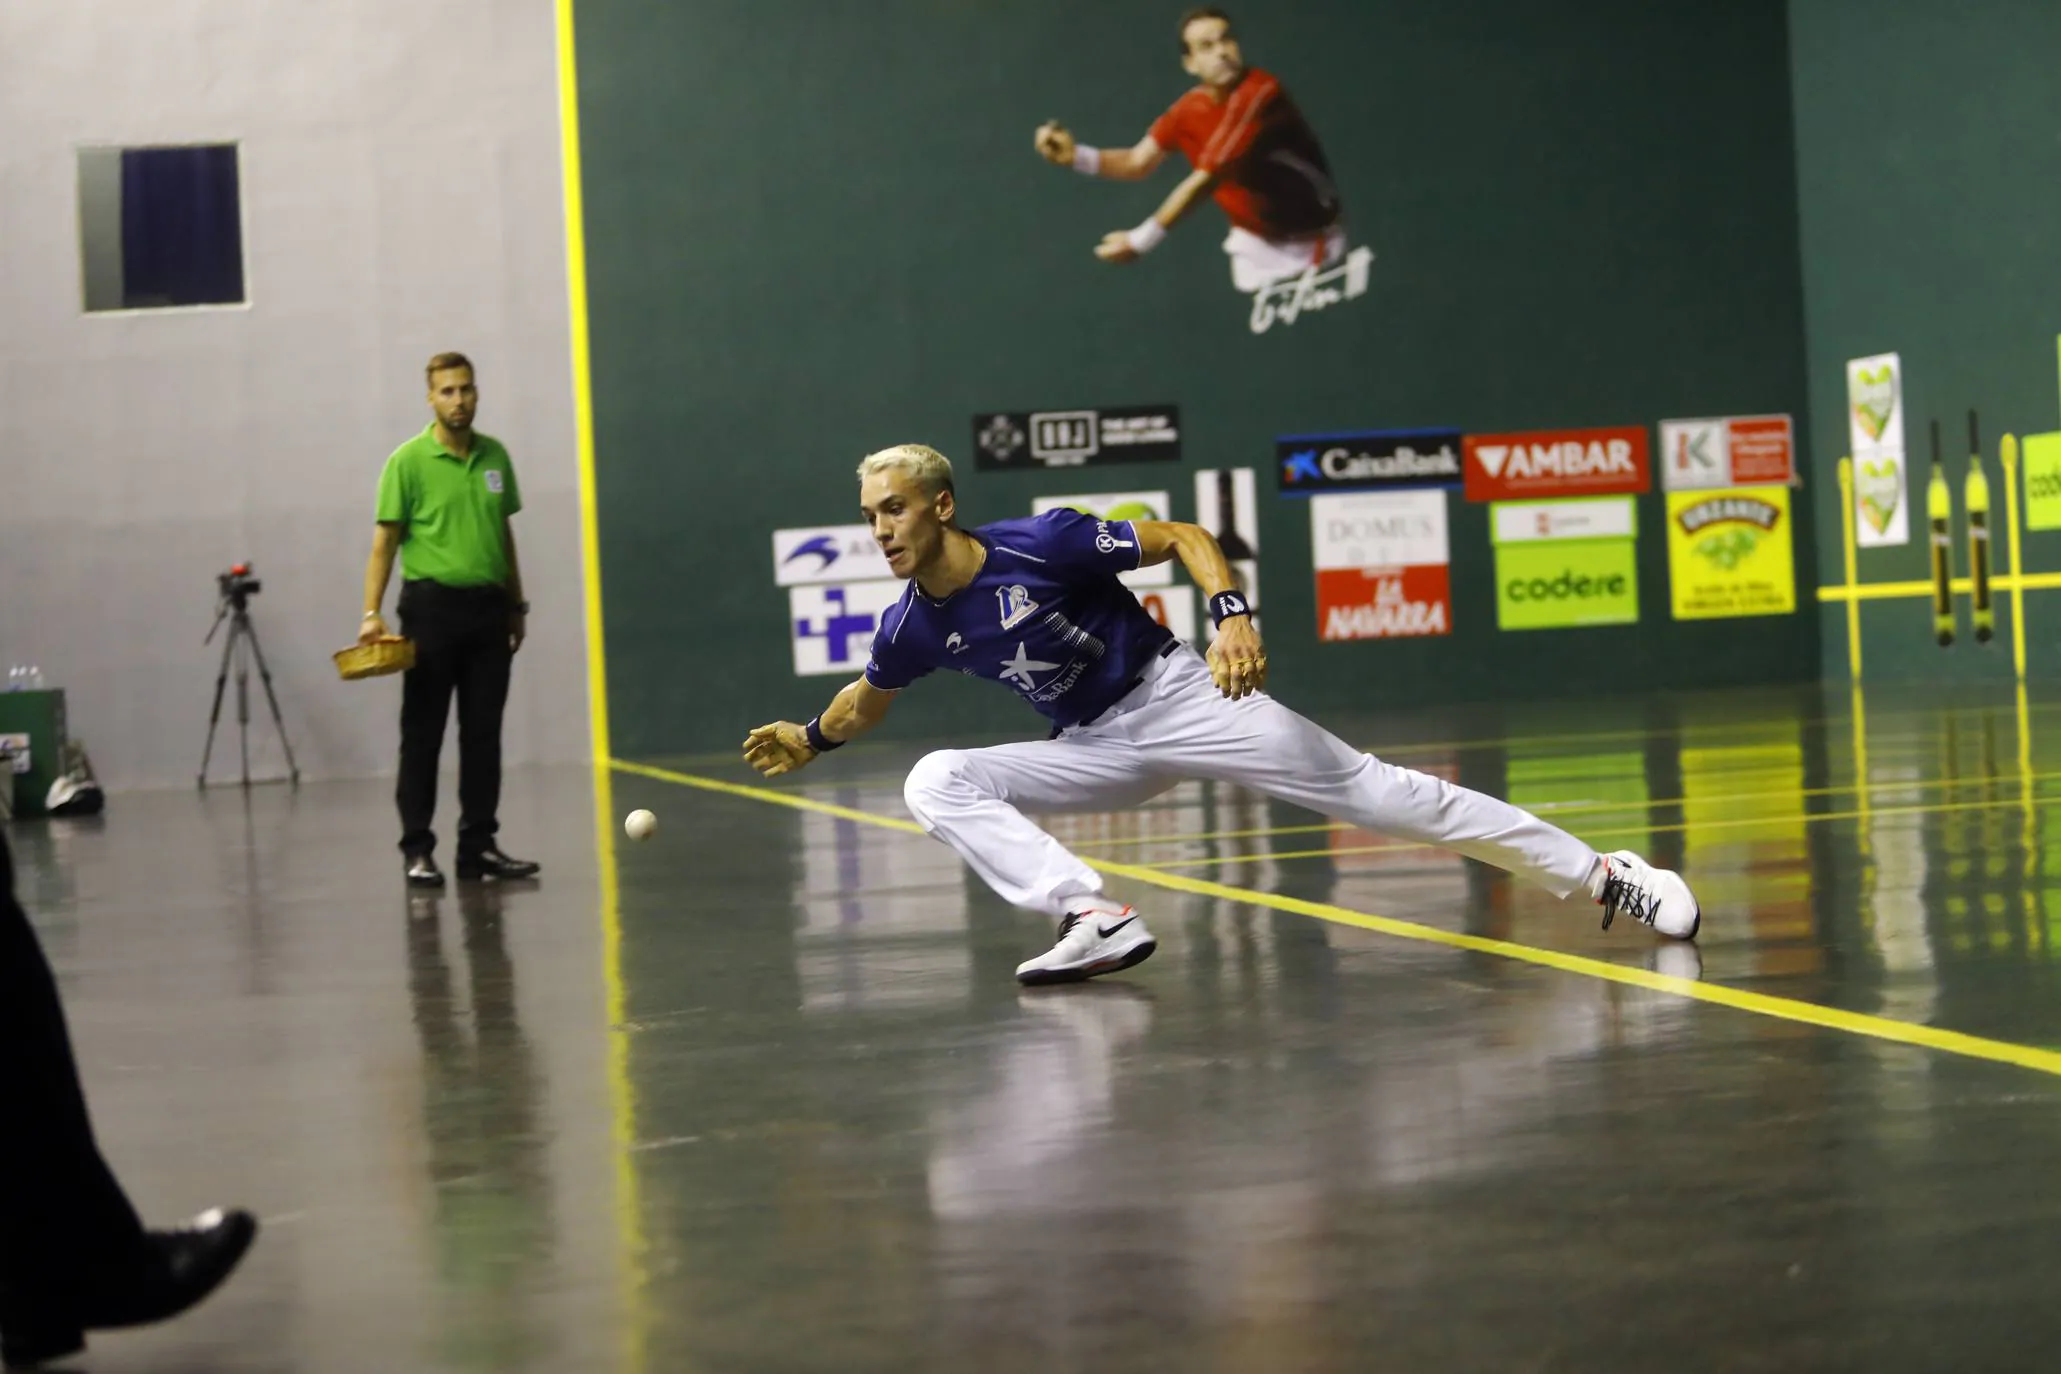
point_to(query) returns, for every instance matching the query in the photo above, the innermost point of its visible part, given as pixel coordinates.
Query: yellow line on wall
(582, 380)
(631, 1241)
(1760, 1004)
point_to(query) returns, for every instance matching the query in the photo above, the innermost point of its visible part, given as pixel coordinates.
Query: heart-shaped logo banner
(1874, 399)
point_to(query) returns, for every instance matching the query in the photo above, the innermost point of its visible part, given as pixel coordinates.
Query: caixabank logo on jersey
(1076, 438)
(1370, 460)
(1729, 553)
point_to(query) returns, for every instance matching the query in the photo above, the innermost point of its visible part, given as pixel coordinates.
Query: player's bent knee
(931, 781)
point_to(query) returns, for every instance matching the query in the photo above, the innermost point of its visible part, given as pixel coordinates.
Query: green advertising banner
(1561, 564)
(2042, 454)
(1553, 585)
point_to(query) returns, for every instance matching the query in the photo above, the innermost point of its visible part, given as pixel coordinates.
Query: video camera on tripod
(237, 586)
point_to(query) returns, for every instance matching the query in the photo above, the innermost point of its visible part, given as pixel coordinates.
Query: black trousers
(64, 1220)
(461, 649)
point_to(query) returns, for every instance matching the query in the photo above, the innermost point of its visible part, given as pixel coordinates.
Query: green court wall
(814, 229)
(1929, 174)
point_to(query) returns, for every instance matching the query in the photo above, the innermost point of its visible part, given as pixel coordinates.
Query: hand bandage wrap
(1146, 237)
(1087, 161)
(1224, 605)
(819, 741)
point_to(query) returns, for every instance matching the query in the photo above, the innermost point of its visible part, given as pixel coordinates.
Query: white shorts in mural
(1257, 263)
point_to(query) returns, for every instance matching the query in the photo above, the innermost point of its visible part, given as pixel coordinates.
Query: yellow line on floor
(1760, 1004)
(1614, 831)
(1553, 811)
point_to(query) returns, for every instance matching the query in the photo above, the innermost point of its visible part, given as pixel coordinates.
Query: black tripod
(240, 648)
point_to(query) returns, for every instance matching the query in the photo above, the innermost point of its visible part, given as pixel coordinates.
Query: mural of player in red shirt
(1252, 151)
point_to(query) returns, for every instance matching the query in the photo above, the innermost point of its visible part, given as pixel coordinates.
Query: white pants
(1258, 262)
(1175, 726)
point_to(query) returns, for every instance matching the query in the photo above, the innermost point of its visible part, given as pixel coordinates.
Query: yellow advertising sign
(1729, 552)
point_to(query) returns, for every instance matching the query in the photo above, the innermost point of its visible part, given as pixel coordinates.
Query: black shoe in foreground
(492, 863)
(178, 1268)
(27, 1340)
(423, 872)
(187, 1263)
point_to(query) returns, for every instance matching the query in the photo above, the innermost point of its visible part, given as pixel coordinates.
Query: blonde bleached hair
(931, 470)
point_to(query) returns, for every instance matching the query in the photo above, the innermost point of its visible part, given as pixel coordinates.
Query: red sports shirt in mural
(1272, 179)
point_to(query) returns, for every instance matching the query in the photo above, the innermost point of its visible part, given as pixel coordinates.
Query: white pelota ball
(638, 825)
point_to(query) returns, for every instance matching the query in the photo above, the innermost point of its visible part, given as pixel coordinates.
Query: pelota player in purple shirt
(1035, 605)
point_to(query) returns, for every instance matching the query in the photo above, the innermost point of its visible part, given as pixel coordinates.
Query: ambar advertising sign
(1562, 564)
(1371, 460)
(1565, 462)
(1729, 553)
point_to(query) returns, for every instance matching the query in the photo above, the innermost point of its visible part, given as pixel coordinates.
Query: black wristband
(1224, 605)
(819, 741)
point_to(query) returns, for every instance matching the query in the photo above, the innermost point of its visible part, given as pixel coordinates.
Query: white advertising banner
(1875, 433)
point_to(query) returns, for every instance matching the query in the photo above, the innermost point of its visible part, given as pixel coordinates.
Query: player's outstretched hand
(1054, 143)
(1236, 660)
(778, 748)
(1116, 247)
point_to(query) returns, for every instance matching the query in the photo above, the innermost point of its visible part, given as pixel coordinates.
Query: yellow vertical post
(2011, 519)
(1853, 604)
(1863, 790)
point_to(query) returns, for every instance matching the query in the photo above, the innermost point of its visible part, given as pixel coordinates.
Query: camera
(238, 583)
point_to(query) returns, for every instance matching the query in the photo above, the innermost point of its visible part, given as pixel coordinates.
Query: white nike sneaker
(1651, 896)
(1100, 939)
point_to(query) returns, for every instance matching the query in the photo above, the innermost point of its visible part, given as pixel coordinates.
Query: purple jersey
(1044, 615)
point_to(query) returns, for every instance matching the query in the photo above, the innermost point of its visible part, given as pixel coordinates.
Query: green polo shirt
(454, 509)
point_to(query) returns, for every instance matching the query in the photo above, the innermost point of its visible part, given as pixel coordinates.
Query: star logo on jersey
(1019, 669)
(1015, 605)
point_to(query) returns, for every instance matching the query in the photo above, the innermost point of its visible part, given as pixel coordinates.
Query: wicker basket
(389, 654)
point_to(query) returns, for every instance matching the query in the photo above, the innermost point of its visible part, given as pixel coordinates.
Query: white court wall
(401, 195)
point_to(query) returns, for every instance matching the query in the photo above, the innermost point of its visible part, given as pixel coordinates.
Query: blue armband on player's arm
(819, 741)
(1224, 605)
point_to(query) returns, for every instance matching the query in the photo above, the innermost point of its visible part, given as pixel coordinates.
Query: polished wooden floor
(761, 1094)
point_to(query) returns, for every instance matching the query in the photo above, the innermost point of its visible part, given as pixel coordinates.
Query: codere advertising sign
(1561, 564)
(1729, 554)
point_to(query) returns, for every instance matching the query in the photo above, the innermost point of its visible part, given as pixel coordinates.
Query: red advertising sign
(1763, 453)
(1612, 461)
(1384, 603)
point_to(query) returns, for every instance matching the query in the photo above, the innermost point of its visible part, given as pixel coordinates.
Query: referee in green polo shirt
(444, 503)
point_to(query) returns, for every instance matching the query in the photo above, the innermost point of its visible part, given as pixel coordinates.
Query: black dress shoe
(37, 1336)
(172, 1271)
(423, 872)
(492, 863)
(182, 1266)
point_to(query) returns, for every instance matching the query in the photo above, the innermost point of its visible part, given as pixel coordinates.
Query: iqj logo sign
(832, 627)
(1076, 438)
(1372, 460)
(826, 553)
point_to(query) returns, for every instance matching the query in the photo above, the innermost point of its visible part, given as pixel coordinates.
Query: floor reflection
(490, 1181)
